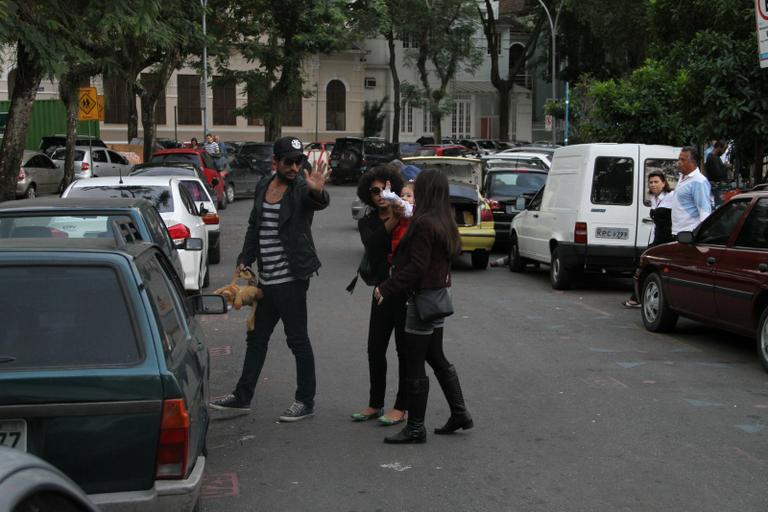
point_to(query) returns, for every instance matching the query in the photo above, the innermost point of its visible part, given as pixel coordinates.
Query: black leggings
(421, 348)
(385, 318)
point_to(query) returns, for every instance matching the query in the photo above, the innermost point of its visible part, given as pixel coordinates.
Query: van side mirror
(685, 237)
(520, 203)
(209, 304)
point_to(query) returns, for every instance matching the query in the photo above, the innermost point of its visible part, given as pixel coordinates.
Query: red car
(717, 274)
(202, 159)
(448, 149)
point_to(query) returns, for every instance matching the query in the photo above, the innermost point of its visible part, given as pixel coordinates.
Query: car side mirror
(520, 203)
(209, 304)
(214, 182)
(685, 237)
(191, 244)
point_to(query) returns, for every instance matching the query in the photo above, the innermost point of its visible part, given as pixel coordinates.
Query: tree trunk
(437, 121)
(28, 77)
(68, 93)
(504, 102)
(148, 103)
(133, 115)
(273, 124)
(395, 88)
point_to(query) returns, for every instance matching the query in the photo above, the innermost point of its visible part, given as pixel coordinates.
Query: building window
(253, 118)
(409, 41)
(461, 120)
(406, 118)
(427, 120)
(115, 101)
(224, 102)
(189, 99)
(292, 110)
(336, 106)
(146, 79)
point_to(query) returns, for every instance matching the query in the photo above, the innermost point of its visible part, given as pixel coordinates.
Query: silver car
(95, 162)
(38, 175)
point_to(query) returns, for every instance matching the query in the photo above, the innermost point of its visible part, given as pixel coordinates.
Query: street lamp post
(553, 28)
(204, 85)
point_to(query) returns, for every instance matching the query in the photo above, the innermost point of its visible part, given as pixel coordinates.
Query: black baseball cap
(287, 147)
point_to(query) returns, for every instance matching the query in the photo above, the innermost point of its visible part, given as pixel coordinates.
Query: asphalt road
(577, 407)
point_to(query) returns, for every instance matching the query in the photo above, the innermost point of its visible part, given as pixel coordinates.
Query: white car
(177, 208)
(94, 162)
(210, 215)
(525, 159)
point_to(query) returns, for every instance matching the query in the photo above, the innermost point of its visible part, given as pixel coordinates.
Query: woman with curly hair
(376, 230)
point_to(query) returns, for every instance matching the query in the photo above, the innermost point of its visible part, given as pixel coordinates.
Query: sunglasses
(374, 190)
(296, 160)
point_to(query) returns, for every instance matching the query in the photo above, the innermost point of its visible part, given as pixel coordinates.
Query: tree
(493, 38)
(444, 33)
(373, 118)
(276, 38)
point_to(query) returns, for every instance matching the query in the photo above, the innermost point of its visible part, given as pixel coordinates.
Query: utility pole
(553, 28)
(204, 84)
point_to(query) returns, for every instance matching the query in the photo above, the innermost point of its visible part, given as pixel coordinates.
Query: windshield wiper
(7, 359)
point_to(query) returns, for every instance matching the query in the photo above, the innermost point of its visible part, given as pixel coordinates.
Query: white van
(593, 213)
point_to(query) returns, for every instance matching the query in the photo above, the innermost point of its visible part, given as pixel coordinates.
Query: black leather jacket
(297, 209)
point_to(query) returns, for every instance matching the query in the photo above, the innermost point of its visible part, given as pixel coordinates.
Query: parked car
(28, 483)
(472, 212)
(202, 159)
(50, 142)
(38, 175)
(105, 374)
(448, 149)
(352, 156)
(87, 218)
(549, 151)
(258, 154)
(177, 208)
(243, 176)
(502, 187)
(480, 146)
(537, 160)
(95, 162)
(717, 274)
(594, 213)
(318, 152)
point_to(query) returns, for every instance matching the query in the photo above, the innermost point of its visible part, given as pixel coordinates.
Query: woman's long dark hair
(433, 206)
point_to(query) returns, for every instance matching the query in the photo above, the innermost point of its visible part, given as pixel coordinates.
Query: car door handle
(711, 260)
(762, 267)
(647, 220)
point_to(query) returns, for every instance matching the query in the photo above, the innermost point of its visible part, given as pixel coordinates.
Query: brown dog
(247, 294)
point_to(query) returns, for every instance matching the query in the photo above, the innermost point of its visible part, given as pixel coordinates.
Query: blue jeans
(286, 302)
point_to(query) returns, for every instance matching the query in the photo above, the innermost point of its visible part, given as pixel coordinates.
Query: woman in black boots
(423, 261)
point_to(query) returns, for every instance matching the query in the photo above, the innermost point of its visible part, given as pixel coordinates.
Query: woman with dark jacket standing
(423, 261)
(376, 230)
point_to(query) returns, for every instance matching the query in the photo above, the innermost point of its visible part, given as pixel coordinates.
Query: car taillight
(211, 218)
(580, 233)
(22, 175)
(179, 232)
(486, 214)
(172, 449)
(84, 166)
(495, 205)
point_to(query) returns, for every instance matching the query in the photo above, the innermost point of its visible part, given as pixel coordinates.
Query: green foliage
(374, 117)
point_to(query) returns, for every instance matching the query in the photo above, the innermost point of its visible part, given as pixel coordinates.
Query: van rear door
(652, 158)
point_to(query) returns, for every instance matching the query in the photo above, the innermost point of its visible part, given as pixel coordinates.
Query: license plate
(13, 434)
(612, 233)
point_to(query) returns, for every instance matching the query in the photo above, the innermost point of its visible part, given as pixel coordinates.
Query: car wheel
(762, 339)
(31, 192)
(559, 276)
(480, 259)
(222, 205)
(214, 255)
(207, 278)
(516, 263)
(230, 192)
(656, 313)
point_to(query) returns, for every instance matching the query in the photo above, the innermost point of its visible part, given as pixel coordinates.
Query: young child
(407, 202)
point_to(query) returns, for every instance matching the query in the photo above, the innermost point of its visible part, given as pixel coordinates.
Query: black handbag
(433, 304)
(364, 270)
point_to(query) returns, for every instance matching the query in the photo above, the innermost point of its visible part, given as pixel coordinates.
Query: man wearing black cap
(279, 236)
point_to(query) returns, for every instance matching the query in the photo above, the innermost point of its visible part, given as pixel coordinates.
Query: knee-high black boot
(414, 431)
(460, 417)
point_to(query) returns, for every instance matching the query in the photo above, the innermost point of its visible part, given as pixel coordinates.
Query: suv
(352, 156)
(105, 375)
(51, 142)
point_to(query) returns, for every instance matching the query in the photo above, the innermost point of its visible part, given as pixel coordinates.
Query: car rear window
(342, 144)
(61, 226)
(60, 154)
(612, 181)
(81, 319)
(515, 183)
(376, 148)
(176, 158)
(159, 196)
(196, 191)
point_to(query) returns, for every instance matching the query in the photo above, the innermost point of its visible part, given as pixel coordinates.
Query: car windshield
(60, 226)
(82, 319)
(257, 151)
(176, 158)
(511, 184)
(61, 153)
(159, 196)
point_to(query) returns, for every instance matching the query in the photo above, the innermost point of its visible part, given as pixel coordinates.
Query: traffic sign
(88, 104)
(549, 121)
(100, 106)
(761, 15)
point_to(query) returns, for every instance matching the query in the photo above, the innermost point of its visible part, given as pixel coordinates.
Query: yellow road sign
(100, 106)
(88, 104)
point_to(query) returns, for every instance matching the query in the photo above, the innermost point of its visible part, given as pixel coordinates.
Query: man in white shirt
(691, 203)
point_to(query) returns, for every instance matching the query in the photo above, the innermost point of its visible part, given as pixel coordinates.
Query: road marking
(713, 365)
(220, 351)
(395, 466)
(593, 309)
(604, 382)
(220, 485)
(630, 364)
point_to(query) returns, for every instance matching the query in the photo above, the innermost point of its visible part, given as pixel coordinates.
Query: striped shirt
(212, 148)
(274, 262)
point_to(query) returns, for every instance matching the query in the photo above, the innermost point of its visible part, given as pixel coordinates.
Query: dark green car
(103, 368)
